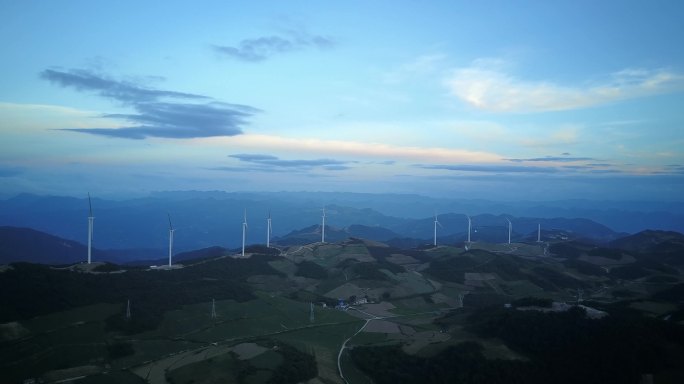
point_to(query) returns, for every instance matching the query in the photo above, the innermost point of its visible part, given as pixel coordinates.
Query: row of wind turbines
(269, 231)
(470, 225)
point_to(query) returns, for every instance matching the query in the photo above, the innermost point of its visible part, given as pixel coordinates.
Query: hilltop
(25, 244)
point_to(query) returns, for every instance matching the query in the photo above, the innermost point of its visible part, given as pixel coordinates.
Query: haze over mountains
(133, 229)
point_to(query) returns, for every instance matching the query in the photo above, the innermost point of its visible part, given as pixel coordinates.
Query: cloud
(195, 116)
(355, 149)
(487, 87)
(674, 168)
(83, 80)
(262, 48)
(489, 168)
(244, 169)
(336, 167)
(561, 159)
(255, 158)
(273, 161)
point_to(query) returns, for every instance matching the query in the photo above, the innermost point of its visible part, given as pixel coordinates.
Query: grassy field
(323, 342)
(276, 316)
(64, 339)
(351, 373)
(78, 342)
(53, 321)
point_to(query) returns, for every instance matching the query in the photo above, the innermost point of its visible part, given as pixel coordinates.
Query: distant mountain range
(207, 219)
(29, 245)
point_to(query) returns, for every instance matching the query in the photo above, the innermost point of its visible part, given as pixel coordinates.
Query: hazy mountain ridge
(29, 245)
(205, 219)
(24, 244)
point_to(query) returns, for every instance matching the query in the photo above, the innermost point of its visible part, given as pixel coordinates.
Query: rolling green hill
(409, 307)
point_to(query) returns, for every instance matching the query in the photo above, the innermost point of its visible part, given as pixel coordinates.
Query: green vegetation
(610, 253)
(568, 250)
(280, 364)
(532, 302)
(119, 349)
(311, 270)
(62, 318)
(114, 377)
(569, 347)
(370, 271)
(556, 280)
(462, 363)
(107, 267)
(562, 347)
(452, 268)
(36, 290)
(585, 268)
(629, 272)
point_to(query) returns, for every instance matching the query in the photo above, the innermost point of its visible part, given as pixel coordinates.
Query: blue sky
(500, 100)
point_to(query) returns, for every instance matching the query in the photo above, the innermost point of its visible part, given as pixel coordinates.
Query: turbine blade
(170, 225)
(90, 206)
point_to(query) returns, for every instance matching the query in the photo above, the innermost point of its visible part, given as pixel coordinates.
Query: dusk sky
(489, 99)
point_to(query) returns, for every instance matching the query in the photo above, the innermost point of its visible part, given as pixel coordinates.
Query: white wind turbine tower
(538, 233)
(171, 231)
(510, 229)
(269, 230)
(470, 225)
(91, 218)
(244, 232)
(434, 241)
(323, 227)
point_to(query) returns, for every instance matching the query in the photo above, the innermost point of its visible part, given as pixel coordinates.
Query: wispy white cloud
(264, 47)
(487, 86)
(354, 149)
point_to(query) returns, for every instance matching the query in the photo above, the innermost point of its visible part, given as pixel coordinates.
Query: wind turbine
(510, 229)
(269, 230)
(470, 225)
(171, 231)
(91, 218)
(323, 227)
(244, 232)
(538, 233)
(434, 241)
